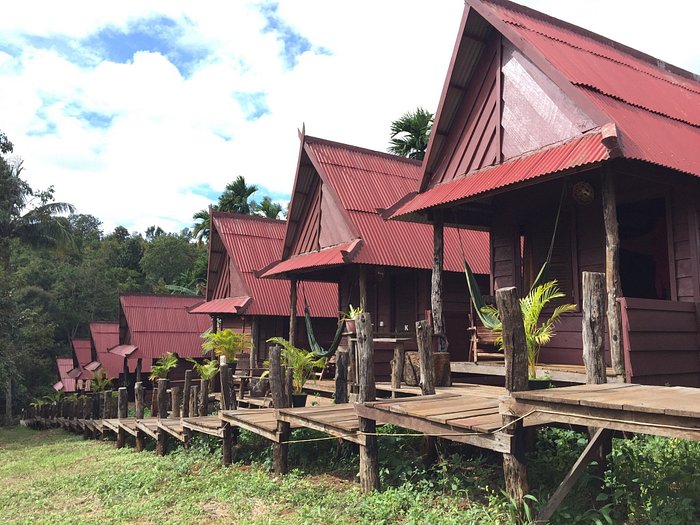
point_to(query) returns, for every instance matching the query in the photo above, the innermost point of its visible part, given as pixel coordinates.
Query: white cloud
(170, 133)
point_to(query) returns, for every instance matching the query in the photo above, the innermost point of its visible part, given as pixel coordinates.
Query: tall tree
(201, 226)
(29, 217)
(410, 133)
(267, 208)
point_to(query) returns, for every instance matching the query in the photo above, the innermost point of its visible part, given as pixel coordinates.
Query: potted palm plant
(536, 334)
(162, 367)
(349, 318)
(227, 343)
(302, 362)
(207, 371)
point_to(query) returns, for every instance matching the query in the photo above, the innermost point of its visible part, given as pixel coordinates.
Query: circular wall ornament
(583, 192)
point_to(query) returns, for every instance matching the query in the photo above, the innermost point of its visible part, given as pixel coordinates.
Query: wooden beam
(204, 398)
(516, 379)
(292, 309)
(280, 400)
(186, 392)
(369, 452)
(425, 355)
(341, 377)
(175, 401)
(397, 365)
(436, 282)
(612, 272)
(593, 332)
(362, 283)
(588, 454)
(162, 439)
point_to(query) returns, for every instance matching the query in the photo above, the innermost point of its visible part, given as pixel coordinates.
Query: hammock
(488, 320)
(316, 349)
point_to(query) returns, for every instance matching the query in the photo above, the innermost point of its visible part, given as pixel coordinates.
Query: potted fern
(207, 371)
(536, 334)
(227, 343)
(302, 362)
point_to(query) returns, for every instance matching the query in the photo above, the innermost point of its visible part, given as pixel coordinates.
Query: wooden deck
(469, 415)
(644, 409)
(210, 425)
(149, 426)
(336, 420)
(555, 372)
(262, 421)
(173, 427)
(128, 425)
(111, 425)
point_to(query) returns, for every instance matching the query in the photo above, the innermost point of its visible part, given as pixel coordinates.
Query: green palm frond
(227, 343)
(162, 367)
(301, 362)
(207, 370)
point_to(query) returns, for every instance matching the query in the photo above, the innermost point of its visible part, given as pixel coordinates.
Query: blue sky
(141, 112)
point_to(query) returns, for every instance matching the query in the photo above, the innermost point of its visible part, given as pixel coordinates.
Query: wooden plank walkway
(336, 420)
(470, 415)
(128, 425)
(210, 425)
(149, 426)
(556, 372)
(111, 425)
(262, 421)
(644, 409)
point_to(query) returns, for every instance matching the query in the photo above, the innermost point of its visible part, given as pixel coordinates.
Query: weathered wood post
(292, 309)
(424, 338)
(341, 377)
(594, 327)
(194, 400)
(175, 401)
(362, 285)
(516, 379)
(162, 442)
(186, 391)
(107, 404)
(397, 365)
(369, 453)
(122, 413)
(204, 398)
(612, 272)
(280, 400)
(154, 400)
(228, 402)
(436, 282)
(139, 400)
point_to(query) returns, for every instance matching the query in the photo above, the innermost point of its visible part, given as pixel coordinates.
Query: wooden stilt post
(138, 398)
(122, 413)
(341, 377)
(162, 443)
(436, 282)
(516, 379)
(280, 400)
(256, 356)
(154, 400)
(292, 309)
(175, 402)
(138, 370)
(362, 284)
(204, 398)
(594, 327)
(424, 339)
(125, 373)
(228, 402)
(186, 391)
(397, 365)
(194, 400)
(369, 453)
(612, 273)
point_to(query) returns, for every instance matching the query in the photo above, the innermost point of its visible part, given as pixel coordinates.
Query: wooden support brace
(588, 455)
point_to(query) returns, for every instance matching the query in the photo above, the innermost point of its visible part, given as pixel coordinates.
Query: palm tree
(410, 133)
(201, 229)
(267, 208)
(235, 197)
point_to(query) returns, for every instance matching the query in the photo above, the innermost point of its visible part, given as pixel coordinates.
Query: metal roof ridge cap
(361, 149)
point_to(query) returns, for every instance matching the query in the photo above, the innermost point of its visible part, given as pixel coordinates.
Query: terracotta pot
(350, 326)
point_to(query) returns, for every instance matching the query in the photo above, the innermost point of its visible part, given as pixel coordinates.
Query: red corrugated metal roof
(161, 323)
(587, 149)
(105, 336)
(58, 385)
(65, 365)
(368, 183)
(92, 366)
(253, 244)
(229, 305)
(333, 256)
(81, 349)
(655, 106)
(123, 350)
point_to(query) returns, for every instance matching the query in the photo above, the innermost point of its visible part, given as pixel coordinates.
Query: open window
(644, 262)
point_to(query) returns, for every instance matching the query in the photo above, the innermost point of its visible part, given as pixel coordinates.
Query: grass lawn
(54, 477)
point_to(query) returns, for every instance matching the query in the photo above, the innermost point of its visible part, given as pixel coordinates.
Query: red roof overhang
(93, 365)
(58, 386)
(585, 150)
(228, 305)
(334, 256)
(74, 373)
(123, 350)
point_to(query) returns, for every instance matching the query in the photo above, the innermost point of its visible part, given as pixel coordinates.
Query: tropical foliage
(410, 134)
(301, 361)
(207, 370)
(100, 382)
(226, 342)
(162, 367)
(532, 305)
